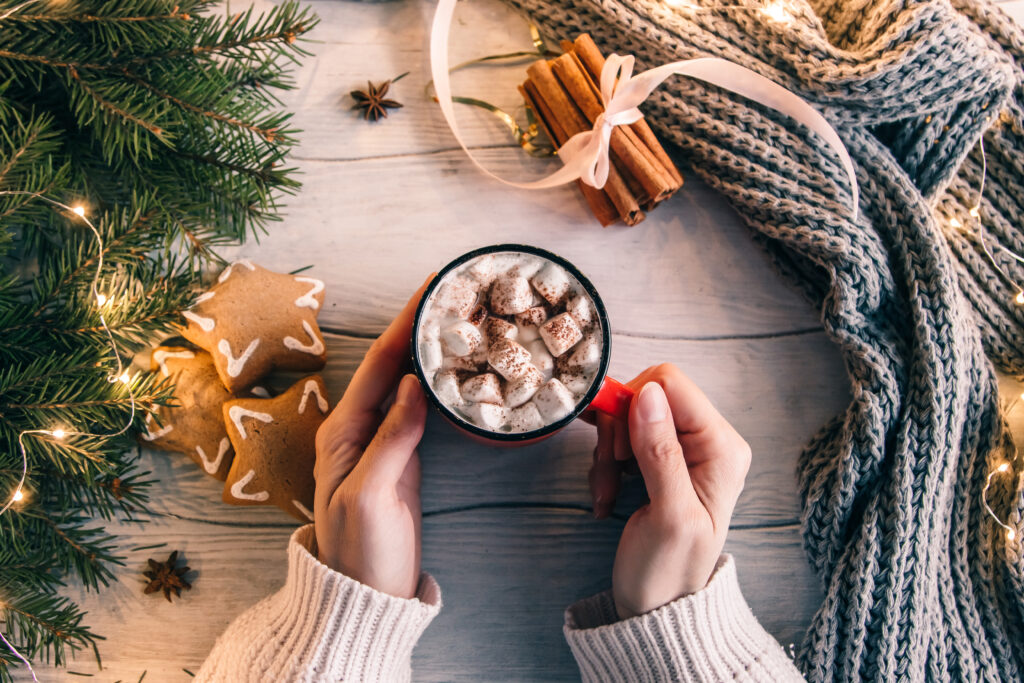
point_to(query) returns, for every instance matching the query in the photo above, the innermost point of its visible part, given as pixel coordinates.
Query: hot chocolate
(510, 342)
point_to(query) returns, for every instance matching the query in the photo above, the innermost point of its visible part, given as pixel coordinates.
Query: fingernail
(651, 403)
(409, 394)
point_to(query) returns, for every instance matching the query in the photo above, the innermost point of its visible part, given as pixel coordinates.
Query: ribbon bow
(589, 151)
(586, 155)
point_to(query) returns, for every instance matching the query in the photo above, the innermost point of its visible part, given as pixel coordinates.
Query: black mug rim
(583, 404)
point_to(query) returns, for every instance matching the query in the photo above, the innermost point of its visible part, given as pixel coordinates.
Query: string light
(776, 11)
(120, 375)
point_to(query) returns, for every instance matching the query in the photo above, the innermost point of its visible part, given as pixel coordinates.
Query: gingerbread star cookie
(195, 426)
(254, 320)
(275, 448)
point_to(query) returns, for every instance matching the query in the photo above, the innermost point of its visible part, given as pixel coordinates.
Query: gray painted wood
(507, 532)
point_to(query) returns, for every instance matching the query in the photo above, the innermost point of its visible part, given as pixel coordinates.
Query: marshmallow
(430, 354)
(527, 266)
(554, 400)
(522, 389)
(552, 283)
(511, 294)
(487, 415)
(508, 358)
(560, 334)
(457, 295)
(581, 310)
(576, 381)
(525, 418)
(527, 333)
(446, 388)
(499, 329)
(477, 315)
(586, 355)
(483, 388)
(462, 338)
(483, 269)
(534, 316)
(540, 357)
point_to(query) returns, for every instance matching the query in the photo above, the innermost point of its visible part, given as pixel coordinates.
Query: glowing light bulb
(954, 223)
(1002, 468)
(777, 12)
(682, 4)
(1011, 534)
(58, 433)
(975, 211)
(124, 378)
(101, 299)
(18, 495)
(80, 210)
(1020, 297)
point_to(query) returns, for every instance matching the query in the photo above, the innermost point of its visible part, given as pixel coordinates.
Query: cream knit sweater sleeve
(322, 626)
(710, 635)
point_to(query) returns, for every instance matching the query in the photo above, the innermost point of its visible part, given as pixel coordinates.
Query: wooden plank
(377, 41)
(506, 576)
(751, 382)
(373, 230)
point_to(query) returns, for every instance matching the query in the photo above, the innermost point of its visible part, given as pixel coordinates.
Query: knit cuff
(323, 625)
(366, 635)
(709, 635)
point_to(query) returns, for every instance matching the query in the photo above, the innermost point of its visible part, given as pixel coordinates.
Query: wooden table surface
(507, 533)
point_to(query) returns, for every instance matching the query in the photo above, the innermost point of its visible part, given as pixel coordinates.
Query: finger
(589, 416)
(621, 448)
(653, 437)
(388, 455)
(692, 411)
(604, 472)
(381, 368)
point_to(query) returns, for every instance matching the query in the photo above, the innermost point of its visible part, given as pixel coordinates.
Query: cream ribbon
(585, 155)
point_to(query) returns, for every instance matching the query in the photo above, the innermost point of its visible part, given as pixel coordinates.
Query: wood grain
(373, 230)
(506, 575)
(748, 380)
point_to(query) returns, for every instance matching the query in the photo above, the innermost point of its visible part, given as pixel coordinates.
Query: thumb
(398, 435)
(652, 434)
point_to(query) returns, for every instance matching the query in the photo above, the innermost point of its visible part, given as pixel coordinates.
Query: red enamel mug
(605, 394)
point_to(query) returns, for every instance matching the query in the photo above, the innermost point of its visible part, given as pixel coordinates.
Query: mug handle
(613, 399)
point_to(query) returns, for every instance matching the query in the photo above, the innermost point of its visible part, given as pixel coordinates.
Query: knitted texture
(709, 636)
(919, 582)
(322, 626)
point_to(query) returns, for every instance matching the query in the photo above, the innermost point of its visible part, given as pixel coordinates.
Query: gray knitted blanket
(919, 582)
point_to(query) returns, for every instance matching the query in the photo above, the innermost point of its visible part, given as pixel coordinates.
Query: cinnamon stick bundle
(564, 95)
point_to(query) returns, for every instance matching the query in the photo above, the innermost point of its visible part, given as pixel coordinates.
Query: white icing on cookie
(212, 467)
(308, 299)
(151, 435)
(205, 324)
(237, 492)
(205, 296)
(240, 262)
(260, 391)
(235, 365)
(236, 413)
(160, 357)
(312, 388)
(303, 509)
(315, 347)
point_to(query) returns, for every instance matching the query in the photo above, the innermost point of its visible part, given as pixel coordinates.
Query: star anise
(372, 101)
(167, 577)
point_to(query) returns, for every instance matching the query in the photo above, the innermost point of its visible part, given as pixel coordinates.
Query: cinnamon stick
(571, 120)
(626, 148)
(600, 205)
(592, 59)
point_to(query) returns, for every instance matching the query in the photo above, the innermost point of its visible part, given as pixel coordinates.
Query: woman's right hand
(694, 465)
